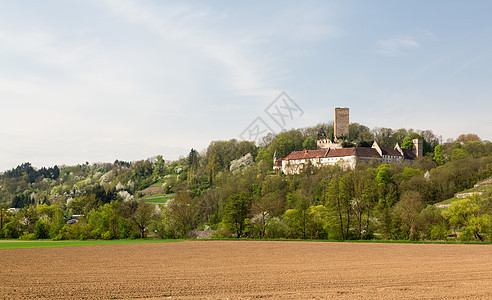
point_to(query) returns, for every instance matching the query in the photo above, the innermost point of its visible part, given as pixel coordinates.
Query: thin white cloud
(396, 46)
(42, 47)
(467, 64)
(188, 26)
(248, 68)
(402, 45)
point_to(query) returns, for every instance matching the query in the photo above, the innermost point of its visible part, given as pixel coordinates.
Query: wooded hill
(228, 190)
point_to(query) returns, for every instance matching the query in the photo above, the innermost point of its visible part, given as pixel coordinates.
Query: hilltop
(230, 189)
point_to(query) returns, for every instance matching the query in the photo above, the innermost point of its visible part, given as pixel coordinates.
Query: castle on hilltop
(331, 152)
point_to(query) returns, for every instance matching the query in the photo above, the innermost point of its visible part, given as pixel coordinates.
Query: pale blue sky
(120, 79)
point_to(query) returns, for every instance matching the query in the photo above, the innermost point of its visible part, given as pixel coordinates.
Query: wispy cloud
(42, 47)
(398, 46)
(401, 45)
(238, 53)
(189, 26)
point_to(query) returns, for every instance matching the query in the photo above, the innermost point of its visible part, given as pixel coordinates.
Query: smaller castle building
(347, 158)
(330, 151)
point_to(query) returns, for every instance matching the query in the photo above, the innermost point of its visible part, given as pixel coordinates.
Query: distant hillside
(229, 189)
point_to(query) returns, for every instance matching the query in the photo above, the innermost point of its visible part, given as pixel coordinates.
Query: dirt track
(243, 269)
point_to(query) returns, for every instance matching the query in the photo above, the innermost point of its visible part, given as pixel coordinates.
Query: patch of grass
(160, 199)
(357, 241)
(12, 244)
(482, 189)
(162, 181)
(449, 201)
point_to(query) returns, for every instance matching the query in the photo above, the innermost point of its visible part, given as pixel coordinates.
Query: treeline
(229, 189)
(30, 175)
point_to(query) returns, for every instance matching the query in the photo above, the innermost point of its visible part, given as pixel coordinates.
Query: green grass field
(11, 244)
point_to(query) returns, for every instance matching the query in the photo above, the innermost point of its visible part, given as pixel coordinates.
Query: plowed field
(247, 269)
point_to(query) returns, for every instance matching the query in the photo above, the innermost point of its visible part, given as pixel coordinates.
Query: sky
(95, 81)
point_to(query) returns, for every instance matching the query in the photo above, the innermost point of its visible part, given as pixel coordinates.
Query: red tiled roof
(366, 152)
(278, 162)
(357, 151)
(390, 151)
(408, 154)
(341, 152)
(307, 154)
(352, 151)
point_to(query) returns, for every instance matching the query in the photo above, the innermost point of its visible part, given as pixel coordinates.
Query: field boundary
(17, 244)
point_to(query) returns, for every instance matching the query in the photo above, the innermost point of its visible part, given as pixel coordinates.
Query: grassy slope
(157, 198)
(482, 189)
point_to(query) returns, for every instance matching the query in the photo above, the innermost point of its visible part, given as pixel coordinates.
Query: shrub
(27, 236)
(41, 230)
(108, 235)
(438, 232)
(276, 229)
(221, 232)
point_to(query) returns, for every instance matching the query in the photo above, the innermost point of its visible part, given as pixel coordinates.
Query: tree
(236, 212)
(3, 214)
(242, 162)
(270, 203)
(181, 213)
(41, 230)
(467, 138)
(383, 136)
(365, 198)
(193, 165)
(298, 218)
(407, 143)
(104, 221)
(81, 205)
(439, 154)
(28, 216)
(338, 196)
(309, 144)
(458, 153)
(284, 143)
(264, 208)
(408, 209)
(472, 214)
(160, 166)
(140, 214)
(358, 132)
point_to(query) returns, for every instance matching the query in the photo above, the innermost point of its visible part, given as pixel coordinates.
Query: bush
(438, 232)
(77, 231)
(108, 235)
(41, 230)
(27, 236)
(276, 229)
(124, 227)
(221, 232)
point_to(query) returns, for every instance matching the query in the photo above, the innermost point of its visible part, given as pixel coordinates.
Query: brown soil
(152, 190)
(247, 269)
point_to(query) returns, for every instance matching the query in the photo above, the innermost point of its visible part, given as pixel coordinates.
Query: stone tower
(341, 121)
(418, 147)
